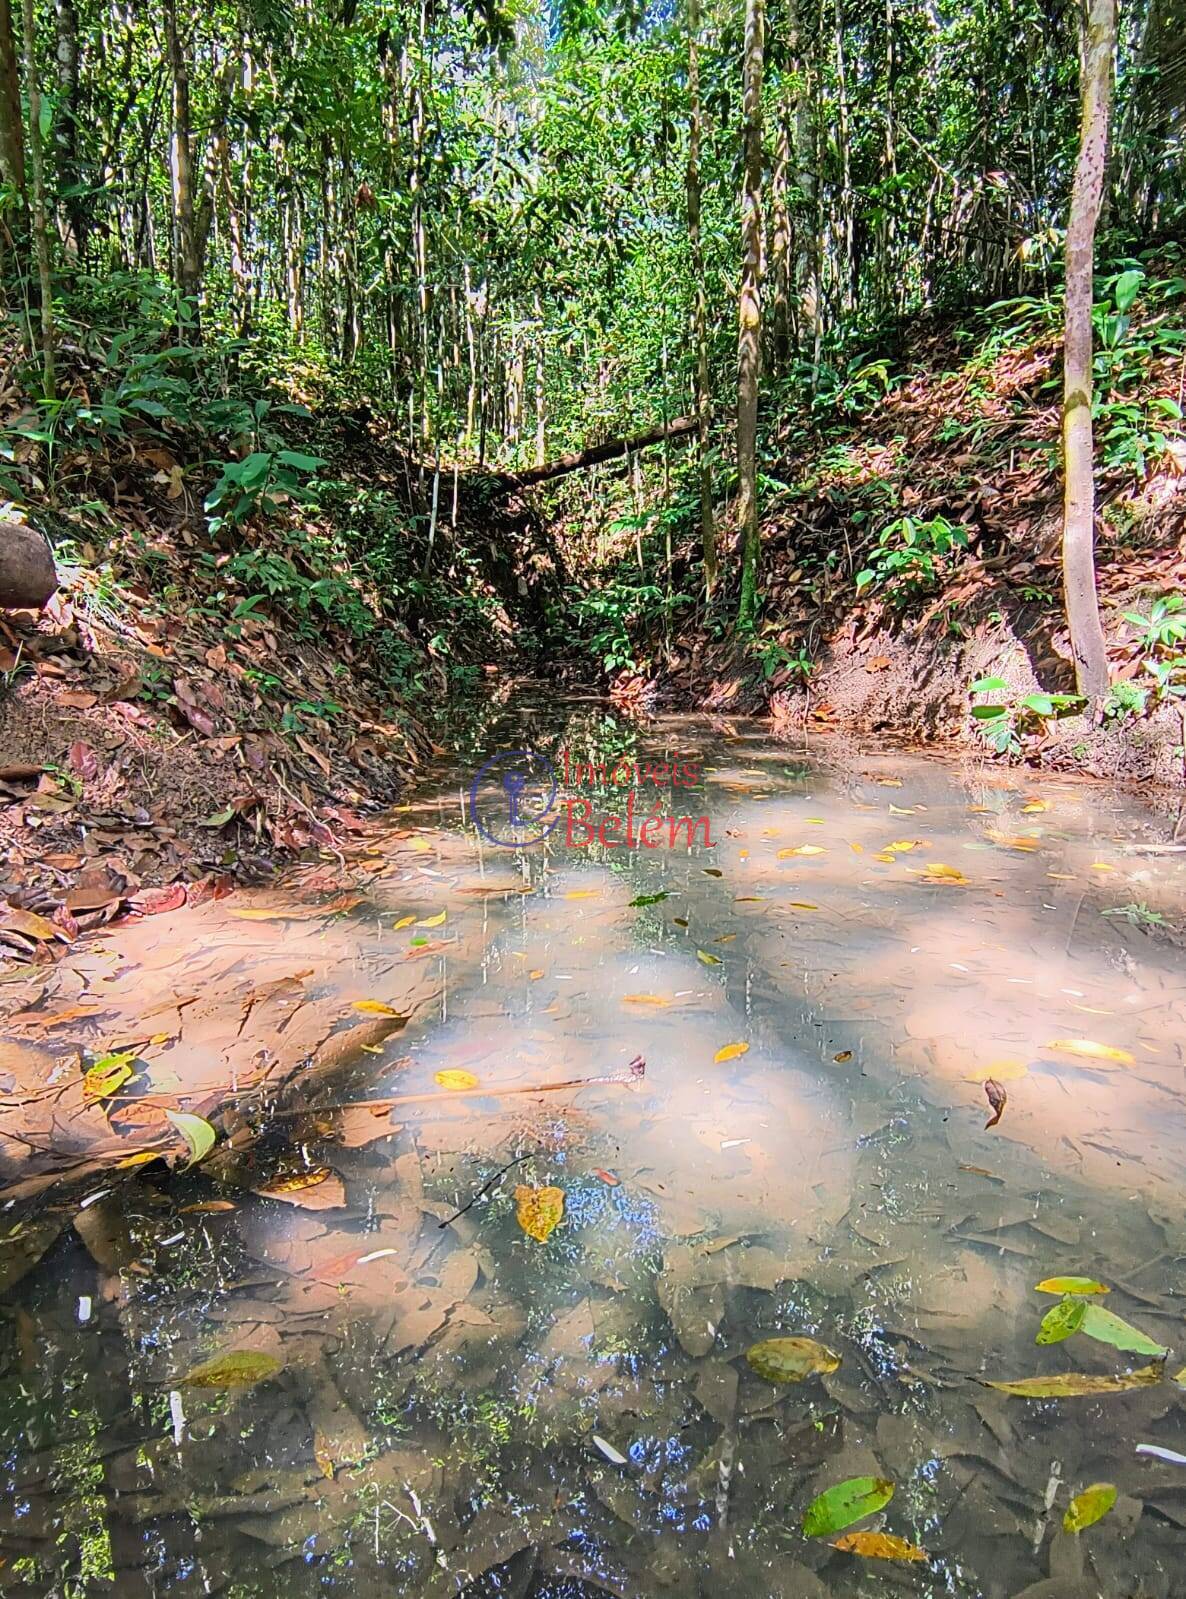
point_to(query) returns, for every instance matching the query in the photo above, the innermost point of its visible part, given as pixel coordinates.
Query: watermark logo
(513, 798)
(515, 801)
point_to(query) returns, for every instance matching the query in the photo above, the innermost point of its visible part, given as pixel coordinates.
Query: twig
(635, 1070)
(486, 1187)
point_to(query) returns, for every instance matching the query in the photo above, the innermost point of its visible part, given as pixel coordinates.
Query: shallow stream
(455, 1406)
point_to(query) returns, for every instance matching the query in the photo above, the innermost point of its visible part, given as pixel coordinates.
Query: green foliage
(259, 484)
(1004, 722)
(1161, 635)
(911, 556)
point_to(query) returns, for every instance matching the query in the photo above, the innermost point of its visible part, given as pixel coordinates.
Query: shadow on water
(456, 1407)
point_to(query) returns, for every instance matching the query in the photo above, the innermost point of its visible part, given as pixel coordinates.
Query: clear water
(431, 1429)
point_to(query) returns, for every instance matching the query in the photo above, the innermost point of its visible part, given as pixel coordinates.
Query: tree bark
(187, 269)
(749, 343)
(40, 220)
(609, 451)
(12, 133)
(66, 125)
(699, 302)
(1078, 540)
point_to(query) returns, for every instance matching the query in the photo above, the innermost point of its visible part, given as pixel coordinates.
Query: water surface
(432, 1428)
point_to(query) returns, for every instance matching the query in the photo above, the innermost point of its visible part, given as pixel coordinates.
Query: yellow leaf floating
(539, 1211)
(433, 921)
(884, 855)
(899, 810)
(645, 999)
(1005, 1071)
(1078, 1384)
(140, 1158)
(582, 893)
(802, 905)
(857, 849)
(708, 960)
(902, 846)
(1035, 807)
(375, 1007)
(800, 849)
(1086, 1508)
(404, 921)
(296, 1182)
(241, 1368)
(1088, 1049)
(1071, 1285)
(878, 1546)
(731, 1051)
(936, 872)
(456, 1081)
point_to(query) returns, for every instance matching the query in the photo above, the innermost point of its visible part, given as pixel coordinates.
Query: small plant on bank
(911, 556)
(1161, 637)
(1004, 723)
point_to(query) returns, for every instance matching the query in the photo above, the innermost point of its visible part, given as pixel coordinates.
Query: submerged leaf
(455, 1080)
(731, 1051)
(645, 999)
(997, 1098)
(240, 1368)
(790, 1359)
(1077, 1384)
(838, 1507)
(1061, 1321)
(1087, 1507)
(375, 1007)
(1088, 1049)
(539, 1211)
(1071, 1285)
(196, 1131)
(107, 1074)
(800, 849)
(708, 960)
(878, 1546)
(648, 899)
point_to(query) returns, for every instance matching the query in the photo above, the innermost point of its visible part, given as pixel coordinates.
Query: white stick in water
(1158, 1453)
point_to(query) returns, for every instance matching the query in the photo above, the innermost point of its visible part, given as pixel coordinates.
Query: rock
(28, 577)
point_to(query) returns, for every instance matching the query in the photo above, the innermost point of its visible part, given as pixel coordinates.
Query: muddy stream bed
(449, 1405)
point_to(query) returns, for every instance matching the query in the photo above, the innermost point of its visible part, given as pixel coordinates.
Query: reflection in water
(819, 999)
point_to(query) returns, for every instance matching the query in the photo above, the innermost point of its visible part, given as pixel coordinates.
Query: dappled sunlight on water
(819, 997)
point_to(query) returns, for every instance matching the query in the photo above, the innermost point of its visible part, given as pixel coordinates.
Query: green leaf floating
(1109, 1328)
(649, 899)
(196, 1131)
(838, 1507)
(790, 1359)
(1089, 1506)
(1065, 1318)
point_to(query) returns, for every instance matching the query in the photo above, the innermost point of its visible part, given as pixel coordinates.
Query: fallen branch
(578, 460)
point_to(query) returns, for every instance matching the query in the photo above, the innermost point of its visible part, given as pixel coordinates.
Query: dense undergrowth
(918, 496)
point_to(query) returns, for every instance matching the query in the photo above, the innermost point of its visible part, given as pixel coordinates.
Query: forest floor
(969, 436)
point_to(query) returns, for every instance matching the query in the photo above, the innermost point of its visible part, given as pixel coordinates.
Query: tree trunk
(187, 267)
(66, 123)
(749, 343)
(12, 132)
(699, 302)
(40, 221)
(1078, 539)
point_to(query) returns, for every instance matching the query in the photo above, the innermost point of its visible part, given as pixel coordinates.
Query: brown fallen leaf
(997, 1098)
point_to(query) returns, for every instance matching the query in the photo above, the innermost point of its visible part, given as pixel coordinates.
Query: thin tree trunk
(1078, 540)
(12, 132)
(66, 121)
(40, 221)
(749, 344)
(186, 267)
(699, 302)
(541, 412)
